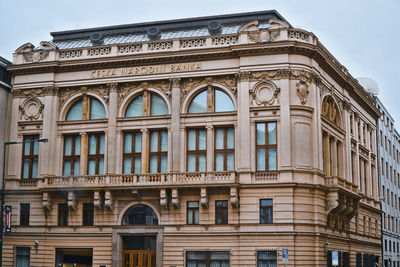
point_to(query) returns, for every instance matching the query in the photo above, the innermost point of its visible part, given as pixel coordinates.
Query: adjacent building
(211, 141)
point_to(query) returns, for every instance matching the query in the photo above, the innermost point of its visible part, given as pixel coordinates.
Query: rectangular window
(224, 149)
(24, 214)
(158, 151)
(266, 259)
(96, 154)
(132, 152)
(207, 259)
(23, 255)
(266, 146)
(266, 211)
(30, 157)
(192, 212)
(72, 154)
(221, 212)
(196, 150)
(87, 214)
(62, 214)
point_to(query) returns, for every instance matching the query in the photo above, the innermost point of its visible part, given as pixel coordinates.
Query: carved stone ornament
(302, 90)
(35, 56)
(35, 92)
(31, 109)
(31, 55)
(286, 73)
(264, 93)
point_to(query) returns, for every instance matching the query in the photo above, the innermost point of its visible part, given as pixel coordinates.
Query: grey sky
(364, 35)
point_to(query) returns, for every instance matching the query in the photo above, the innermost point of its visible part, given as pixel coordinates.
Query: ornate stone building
(211, 141)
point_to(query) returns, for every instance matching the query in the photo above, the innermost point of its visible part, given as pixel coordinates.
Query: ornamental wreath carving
(302, 90)
(31, 109)
(264, 93)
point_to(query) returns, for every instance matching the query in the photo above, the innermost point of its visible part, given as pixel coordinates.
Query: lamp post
(45, 140)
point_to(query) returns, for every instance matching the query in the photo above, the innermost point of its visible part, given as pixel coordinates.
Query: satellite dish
(369, 85)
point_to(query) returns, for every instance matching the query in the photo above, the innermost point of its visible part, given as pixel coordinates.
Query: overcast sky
(364, 35)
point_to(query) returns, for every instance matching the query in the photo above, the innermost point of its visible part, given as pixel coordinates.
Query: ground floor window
(266, 259)
(207, 259)
(23, 255)
(71, 257)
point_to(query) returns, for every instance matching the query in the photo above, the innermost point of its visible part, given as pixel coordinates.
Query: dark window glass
(196, 150)
(224, 149)
(88, 214)
(23, 256)
(24, 215)
(140, 215)
(72, 154)
(192, 212)
(266, 259)
(266, 215)
(221, 212)
(96, 154)
(132, 152)
(30, 157)
(207, 259)
(266, 146)
(158, 151)
(62, 214)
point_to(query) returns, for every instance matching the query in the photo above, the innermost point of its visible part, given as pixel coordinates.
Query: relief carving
(302, 90)
(264, 93)
(31, 109)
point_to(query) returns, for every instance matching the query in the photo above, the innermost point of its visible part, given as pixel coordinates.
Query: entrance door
(139, 258)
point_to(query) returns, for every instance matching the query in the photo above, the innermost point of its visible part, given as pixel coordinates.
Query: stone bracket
(72, 202)
(163, 198)
(136, 194)
(108, 200)
(234, 197)
(204, 198)
(46, 202)
(176, 202)
(98, 200)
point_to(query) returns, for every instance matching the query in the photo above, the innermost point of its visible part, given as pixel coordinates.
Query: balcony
(140, 180)
(334, 181)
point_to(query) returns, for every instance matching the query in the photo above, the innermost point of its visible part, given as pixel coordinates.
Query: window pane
(36, 145)
(101, 145)
(219, 162)
(202, 139)
(191, 140)
(272, 133)
(68, 146)
(164, 164)
(164, 141)
(67, 167)
(202, 163)
(262, 215)
(127, 165)
(199, 103)
(272, 159)
(128, 143)
(76, 167)
(260, 134)
(97, 110)
(92, 144)
(158, 106)
(138, 142)
(34, 168)
(135, 108)
(196, 216)
(138, 165)
(190, 217)
(27, 145)
(92, 167)
(223, 102)
(25, 171)
(101, 166)
(193, 204)
(230, 161)
(154, 141)
(77, 145)
(269, 211)
(230, 138)
(191, 163)
(266, 202)
(219, 255)
(75, 111)
(219, 138)
(153, 164)
(196, 255)
(260, 159)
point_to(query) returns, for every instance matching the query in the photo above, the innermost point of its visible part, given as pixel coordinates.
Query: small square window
(266, 214)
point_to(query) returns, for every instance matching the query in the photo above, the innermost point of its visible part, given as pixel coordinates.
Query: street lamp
(44, 140)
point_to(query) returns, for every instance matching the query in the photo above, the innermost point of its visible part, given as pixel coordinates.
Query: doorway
(139, 251)
(74, 257)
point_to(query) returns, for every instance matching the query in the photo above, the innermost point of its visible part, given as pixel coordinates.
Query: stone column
(84, 153)
(175, 124)
(210, 148)
(327, 153)
(362, 185)
(145, 150)
(334, 157)
(170, 151)
(112, 128)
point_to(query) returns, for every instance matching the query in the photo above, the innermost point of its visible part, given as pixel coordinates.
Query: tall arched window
(86, 108)
(211, 100)
(140, 215)
(146, 104)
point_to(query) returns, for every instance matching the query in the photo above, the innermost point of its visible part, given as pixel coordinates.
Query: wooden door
(139, 258)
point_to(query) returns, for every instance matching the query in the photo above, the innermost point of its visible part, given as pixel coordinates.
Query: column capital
(144, 130)
(175, 82)
(243, 76)
(112, 86)
(83, 133)
(209, 127)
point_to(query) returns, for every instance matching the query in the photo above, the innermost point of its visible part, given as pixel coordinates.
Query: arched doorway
(139, 250)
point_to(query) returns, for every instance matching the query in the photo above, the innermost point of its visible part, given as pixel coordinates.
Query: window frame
(146, 104)
(87, 214)
(96, 156)
(133, 154)
(197, 152)
(210, 99)
(72, 158)
(225, 151)
(86, 108)
(194, 210)
(223, 212)
(158, 153)
(62, 210)
(265, 208)
(207, 259)
(17, 256)
(266, 146)
(260, 261)
(24, 214)
(31, 157)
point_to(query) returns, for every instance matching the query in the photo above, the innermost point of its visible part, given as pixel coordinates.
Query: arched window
(140, 215)
(141, 106)
(78, 111)
(211, 100)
